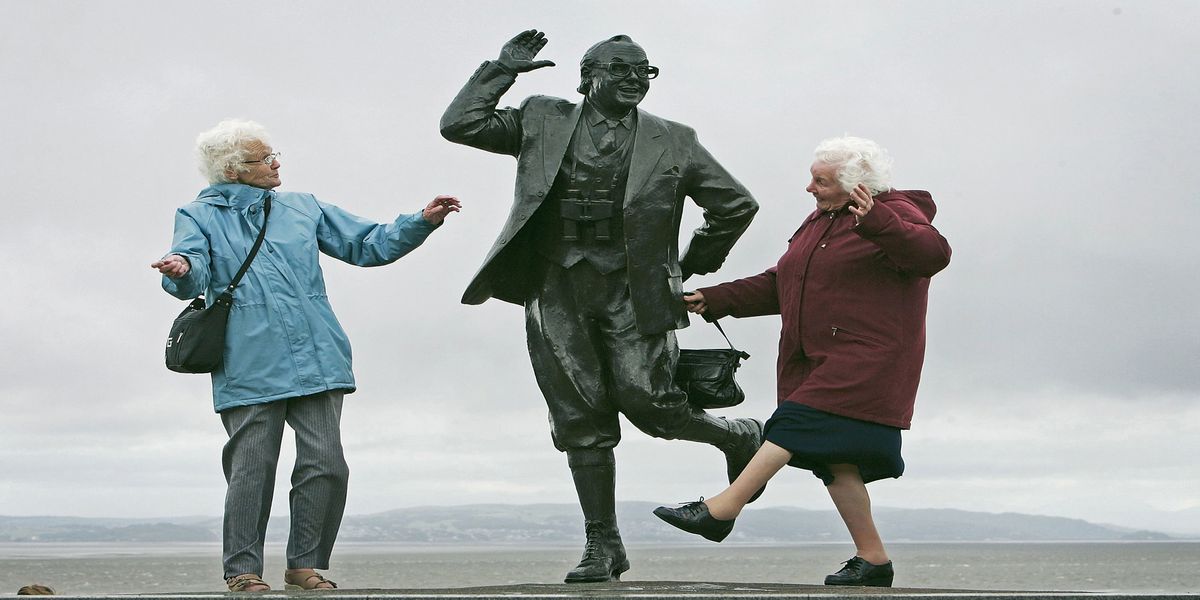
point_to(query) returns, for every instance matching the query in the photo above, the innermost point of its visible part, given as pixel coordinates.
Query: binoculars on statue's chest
(582, 209)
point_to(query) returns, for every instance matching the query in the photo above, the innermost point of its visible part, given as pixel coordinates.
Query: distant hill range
(550, 524)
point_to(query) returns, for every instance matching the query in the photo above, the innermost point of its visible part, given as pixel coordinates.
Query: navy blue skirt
(818, 439)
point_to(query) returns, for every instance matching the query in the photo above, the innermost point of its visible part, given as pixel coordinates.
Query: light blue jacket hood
(283, 339)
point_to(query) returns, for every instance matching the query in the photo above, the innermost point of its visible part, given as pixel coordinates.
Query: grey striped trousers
(318, 496)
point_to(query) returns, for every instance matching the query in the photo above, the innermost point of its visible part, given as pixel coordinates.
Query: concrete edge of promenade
(656, 590)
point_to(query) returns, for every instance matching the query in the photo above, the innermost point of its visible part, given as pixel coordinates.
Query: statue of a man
(591, 250)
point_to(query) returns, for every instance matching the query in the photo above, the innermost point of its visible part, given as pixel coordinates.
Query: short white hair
(857, 160)
(224, 147)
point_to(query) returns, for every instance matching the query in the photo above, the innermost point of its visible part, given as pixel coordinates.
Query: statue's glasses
(266, 160)
(622, 70)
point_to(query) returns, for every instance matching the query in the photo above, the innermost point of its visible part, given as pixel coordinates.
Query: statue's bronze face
(616, 95)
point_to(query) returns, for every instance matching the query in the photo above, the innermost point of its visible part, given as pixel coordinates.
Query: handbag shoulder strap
(741, 353)
(227, 296)
(718, 324)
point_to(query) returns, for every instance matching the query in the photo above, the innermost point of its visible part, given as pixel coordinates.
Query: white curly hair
(224, 147)
(858, 161)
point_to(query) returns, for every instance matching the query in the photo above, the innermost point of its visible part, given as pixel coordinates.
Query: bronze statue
(590, 249)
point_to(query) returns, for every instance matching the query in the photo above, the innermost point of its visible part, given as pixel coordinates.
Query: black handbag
(707, 375)
(197, 340)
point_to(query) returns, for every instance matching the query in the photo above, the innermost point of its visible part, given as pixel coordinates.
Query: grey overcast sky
(1058, 138)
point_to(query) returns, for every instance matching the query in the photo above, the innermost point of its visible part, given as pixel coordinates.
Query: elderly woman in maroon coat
(851, 290)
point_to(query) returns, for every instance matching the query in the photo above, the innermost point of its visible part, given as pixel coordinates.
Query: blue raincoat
(283, 339)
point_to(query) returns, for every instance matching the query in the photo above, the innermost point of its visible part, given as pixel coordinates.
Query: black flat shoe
(693, 517)
(860, 572)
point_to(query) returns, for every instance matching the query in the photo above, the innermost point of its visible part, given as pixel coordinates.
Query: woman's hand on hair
(173, 266)
(861, 202)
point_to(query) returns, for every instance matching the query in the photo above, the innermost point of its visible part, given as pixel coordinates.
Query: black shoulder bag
(707, 375)
(197, 340)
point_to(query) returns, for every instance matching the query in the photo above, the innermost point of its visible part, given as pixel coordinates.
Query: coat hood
(237, 195)
(918, 198)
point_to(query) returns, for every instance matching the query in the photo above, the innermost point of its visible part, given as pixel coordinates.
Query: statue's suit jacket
(668, 164)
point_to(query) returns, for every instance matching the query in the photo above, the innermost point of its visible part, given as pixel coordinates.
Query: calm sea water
(1133, 567)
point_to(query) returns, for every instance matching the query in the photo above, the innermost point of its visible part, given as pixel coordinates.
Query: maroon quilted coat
(852, 299)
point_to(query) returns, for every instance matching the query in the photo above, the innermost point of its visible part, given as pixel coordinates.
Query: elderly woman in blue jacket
(286, 357)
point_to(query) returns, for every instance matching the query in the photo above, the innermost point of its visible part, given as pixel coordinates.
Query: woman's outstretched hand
(173, 266)
(435, 212)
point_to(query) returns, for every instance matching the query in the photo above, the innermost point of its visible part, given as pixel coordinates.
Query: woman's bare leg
(849, 495)
(766, 463)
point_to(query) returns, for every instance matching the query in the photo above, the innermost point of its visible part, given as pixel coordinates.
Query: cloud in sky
(1057, 138)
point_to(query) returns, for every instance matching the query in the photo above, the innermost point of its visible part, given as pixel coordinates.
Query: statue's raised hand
(518, 53)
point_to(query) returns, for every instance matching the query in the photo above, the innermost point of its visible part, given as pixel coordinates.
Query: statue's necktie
(608, 141)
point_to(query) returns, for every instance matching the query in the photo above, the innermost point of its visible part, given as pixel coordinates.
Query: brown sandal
(239, 583)
(307, 583)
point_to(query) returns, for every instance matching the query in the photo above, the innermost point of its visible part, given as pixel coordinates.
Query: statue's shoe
(603, 555)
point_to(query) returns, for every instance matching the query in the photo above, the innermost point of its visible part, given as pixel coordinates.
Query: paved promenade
(654, 590)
